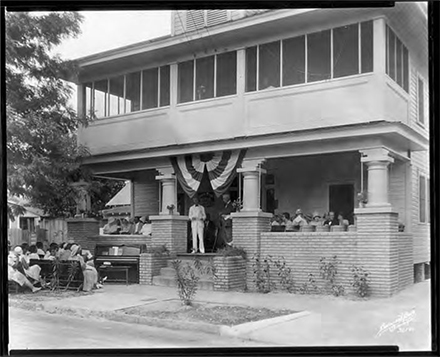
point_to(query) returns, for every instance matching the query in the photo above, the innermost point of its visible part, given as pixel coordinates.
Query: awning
(123, 197)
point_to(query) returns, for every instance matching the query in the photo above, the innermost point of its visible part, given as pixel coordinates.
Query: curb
(238, 330)
(223, 330)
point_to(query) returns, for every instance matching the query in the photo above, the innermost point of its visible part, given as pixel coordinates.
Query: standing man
(197, 216)
(226, 219)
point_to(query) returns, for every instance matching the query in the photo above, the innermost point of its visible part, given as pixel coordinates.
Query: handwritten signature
(401, 324)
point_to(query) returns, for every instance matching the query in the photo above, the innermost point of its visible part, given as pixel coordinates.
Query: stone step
(160, 280)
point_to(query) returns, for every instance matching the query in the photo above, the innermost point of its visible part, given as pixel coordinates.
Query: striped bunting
(222, 168)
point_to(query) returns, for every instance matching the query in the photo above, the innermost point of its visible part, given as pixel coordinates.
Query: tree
(43, 157)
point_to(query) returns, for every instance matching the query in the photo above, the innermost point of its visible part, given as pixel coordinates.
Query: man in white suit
(197, 216)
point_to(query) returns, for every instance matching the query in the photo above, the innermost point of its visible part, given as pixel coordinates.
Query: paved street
(39, 330)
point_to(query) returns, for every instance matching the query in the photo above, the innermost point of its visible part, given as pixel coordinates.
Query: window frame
(107, 94)
(306, 57)
(404, 50)
(194, 82)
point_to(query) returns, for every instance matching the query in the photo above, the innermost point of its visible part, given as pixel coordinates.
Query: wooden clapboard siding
(146, 193)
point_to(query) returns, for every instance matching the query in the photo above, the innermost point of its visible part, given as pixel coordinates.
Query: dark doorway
(341, 200)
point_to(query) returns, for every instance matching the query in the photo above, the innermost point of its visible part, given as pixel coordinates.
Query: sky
(106, 30)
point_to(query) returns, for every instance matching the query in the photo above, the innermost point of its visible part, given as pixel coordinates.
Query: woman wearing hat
(317, 220)
(14, 267)
(299, 220)
(89, 272)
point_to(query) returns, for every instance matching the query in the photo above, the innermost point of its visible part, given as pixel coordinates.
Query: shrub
(285, 274)
(309, 286)
(232, 252)
(186, 280)
(261, 270)
(328, 271)
(360, 281)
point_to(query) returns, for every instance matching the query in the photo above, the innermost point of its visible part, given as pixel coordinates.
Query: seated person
(33, 252)
(287, 222)
(112, 227)
(13, 271)
(137, 225)
(275, 221)
(316, 220)
(125, 226)
(32, 273)
(299, 220)
(146, 227)
(40, 250)
(331, 220)
(89, 272)
(53, 252)
(65, 254)
(342, 221)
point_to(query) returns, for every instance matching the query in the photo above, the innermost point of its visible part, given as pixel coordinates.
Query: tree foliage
(43, 157)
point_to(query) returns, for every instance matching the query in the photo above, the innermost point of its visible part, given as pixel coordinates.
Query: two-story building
(309, 106)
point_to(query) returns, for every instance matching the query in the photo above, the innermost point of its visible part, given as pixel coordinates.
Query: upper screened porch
(351, 72)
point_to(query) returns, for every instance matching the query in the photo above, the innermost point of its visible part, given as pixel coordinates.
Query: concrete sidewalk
(331, 321)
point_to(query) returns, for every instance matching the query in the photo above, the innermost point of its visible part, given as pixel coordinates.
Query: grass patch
(206, 312)
(47, 295)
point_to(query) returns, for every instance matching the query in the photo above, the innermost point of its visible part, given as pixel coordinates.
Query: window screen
(318, 56)
(133, 92)
(226, 74)
(88, 99)
(251, 69)
(422, 199)
(205, 78)
(405, 69)
(421, 101)
(399, 66)
(100, 99)
(294, 61)
(269, 65)
(164, 86)
(392, 54)
(346, 51)
(186, 81)
(367, 46)
(116, 96)
(149, 88)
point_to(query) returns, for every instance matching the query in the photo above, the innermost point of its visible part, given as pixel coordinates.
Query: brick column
(82, 231)
(246, 229)
(170, 230)
(378, 248)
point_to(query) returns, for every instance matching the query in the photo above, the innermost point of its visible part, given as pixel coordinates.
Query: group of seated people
(127, 225)
(21, 272)
(294, 224)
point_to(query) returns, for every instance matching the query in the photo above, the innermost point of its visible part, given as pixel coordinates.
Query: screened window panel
(164, 86)
(367, 47)
(399, 66)
(421, 102)
(186, 81)
(251, 69)
(150, 88)
(422, 199)
(133, 92)
(345, 51)
(294, 61)
(387, 47)
(205, 78)
(428, 200)
(116, 96)
(100, 98)
(405, 69)
(318, 56)
(88, 99)
(392, 54)
(269, 65)
(226, 76)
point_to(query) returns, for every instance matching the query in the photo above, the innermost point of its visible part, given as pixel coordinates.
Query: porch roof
(395, 135)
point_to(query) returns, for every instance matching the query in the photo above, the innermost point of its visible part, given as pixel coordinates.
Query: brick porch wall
(231, 273)
(149, 266)
(302, 251)
(80, 230)
(170, 231)
(406, 275)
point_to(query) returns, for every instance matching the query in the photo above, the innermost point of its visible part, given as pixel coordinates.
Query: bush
(186, 280)
(232, 252)
(360, 282)
(328, 271)
(159, 251)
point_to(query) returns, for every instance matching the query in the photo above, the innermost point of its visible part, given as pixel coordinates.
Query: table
(115, 268)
